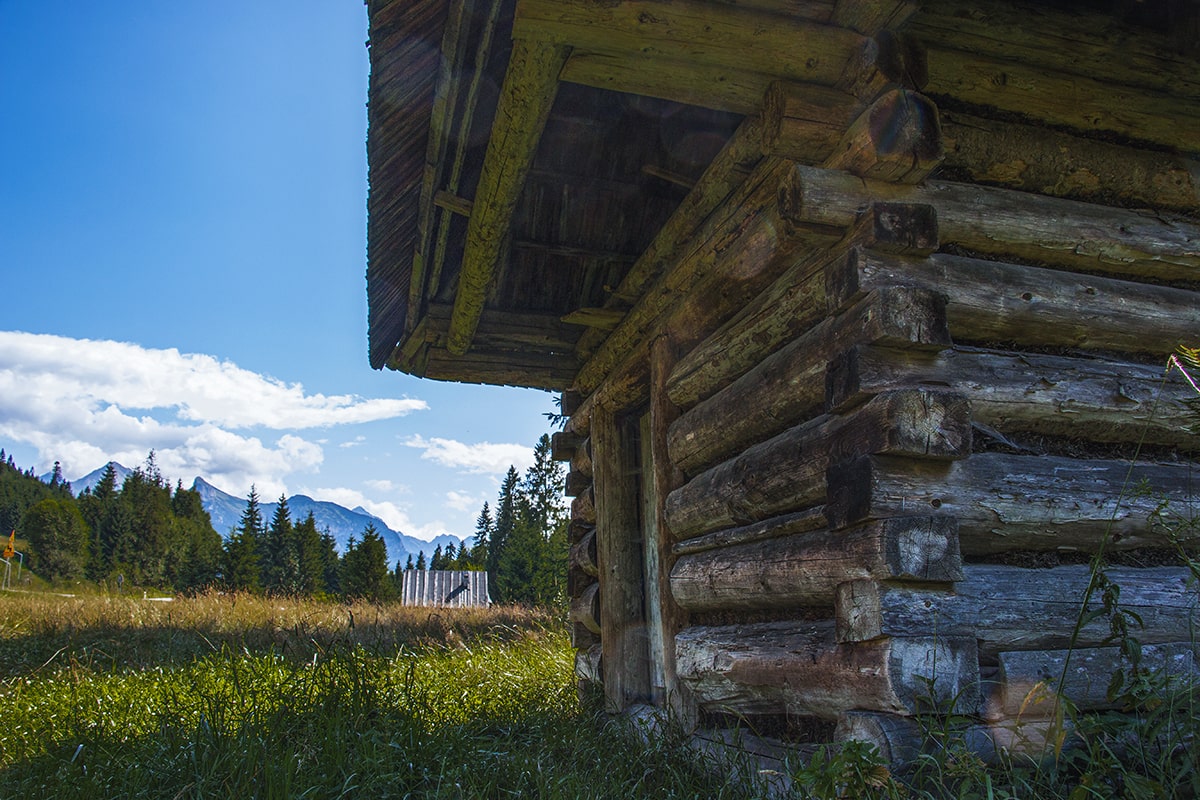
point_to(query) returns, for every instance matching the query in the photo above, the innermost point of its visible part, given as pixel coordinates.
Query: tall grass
(248, 697)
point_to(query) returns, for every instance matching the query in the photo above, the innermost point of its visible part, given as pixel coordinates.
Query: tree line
(148, 533)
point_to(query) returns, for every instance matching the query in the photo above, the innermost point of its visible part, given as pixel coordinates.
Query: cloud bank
(82, 402)
(482, 458)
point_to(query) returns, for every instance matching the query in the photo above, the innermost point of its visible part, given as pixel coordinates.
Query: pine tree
(420, 560)
(438, 561)
(409, 564)
(484, 528)
(243, 569)
(309, 557)
(506, 519)
(58, 536)
(331, 564)
(281, 568)
(364, 568)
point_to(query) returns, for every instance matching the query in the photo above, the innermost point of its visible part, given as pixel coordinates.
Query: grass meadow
(237, 696)
(251, 697)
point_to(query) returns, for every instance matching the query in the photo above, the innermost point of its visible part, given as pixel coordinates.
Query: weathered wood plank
(1013, 608)
(790, 306)
(563, 445)
(787, 472)
(1080, 40)
(812, 519)
(1031, 682)
(805, 569)
(1063, 99)
(583, 508)
(900, 740)
(898, 139)
(618, 551)
(788, 386)
(701, 33)
(530, 86)
(872, 16)
(1008, 223)
(1014, 502)
(585, 609)
(583, 555)
(1034, 159)
(1086, 398)
(743, 242)
(991, 301)
(666, 617)
(797, 669)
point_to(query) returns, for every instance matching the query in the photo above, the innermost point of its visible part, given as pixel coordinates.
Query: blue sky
(182, 260)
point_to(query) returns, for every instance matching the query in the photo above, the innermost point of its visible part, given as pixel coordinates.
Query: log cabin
(859, 311)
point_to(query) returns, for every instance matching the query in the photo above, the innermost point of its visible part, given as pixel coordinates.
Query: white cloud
(83, 402)
(391, 487)
(461, 501)
(195, 387)
(481, 458)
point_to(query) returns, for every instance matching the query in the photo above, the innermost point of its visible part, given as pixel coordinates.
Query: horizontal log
(563, 445)
(1034, 159)
(587, 665)
(812, 519)
(1007, 502)
(788, 385)
(581, 459)
(583, 555)
(994, 301)
(797, 669)
(709, 34)
(791, 305)
(1004, 222)
(1062, 99)
(583, 508)
(897, 139)
(585, 609)
(1013, 608)
(805, 569)
(742, 249)
(1084, 398)
(787, 472)
(1078, 39)
(715, 86)
(1032, 682)
(900, 740)
(576, 484)
(872, 16)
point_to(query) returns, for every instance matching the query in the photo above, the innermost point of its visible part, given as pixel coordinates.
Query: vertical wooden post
(625, 662)
(660, 477)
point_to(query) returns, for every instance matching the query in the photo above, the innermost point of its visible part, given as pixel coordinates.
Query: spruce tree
(243, 567)
(310, 560)
(506, 519)
(281, 569)
(364, 568)
(484, 527)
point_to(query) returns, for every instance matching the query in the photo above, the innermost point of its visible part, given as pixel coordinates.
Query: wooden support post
(787, 472)
(1003, 222)
(805, 569)
(660, 478)
(1013, 608)
(618, 551)
(525, 99)
(1007, 502)
(797, 669)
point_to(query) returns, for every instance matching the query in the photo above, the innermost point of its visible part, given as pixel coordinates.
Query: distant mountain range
(226, 512)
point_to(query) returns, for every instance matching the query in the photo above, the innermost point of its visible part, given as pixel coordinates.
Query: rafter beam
(525, 100)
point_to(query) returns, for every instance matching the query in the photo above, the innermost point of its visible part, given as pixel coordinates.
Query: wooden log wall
(883, 471)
